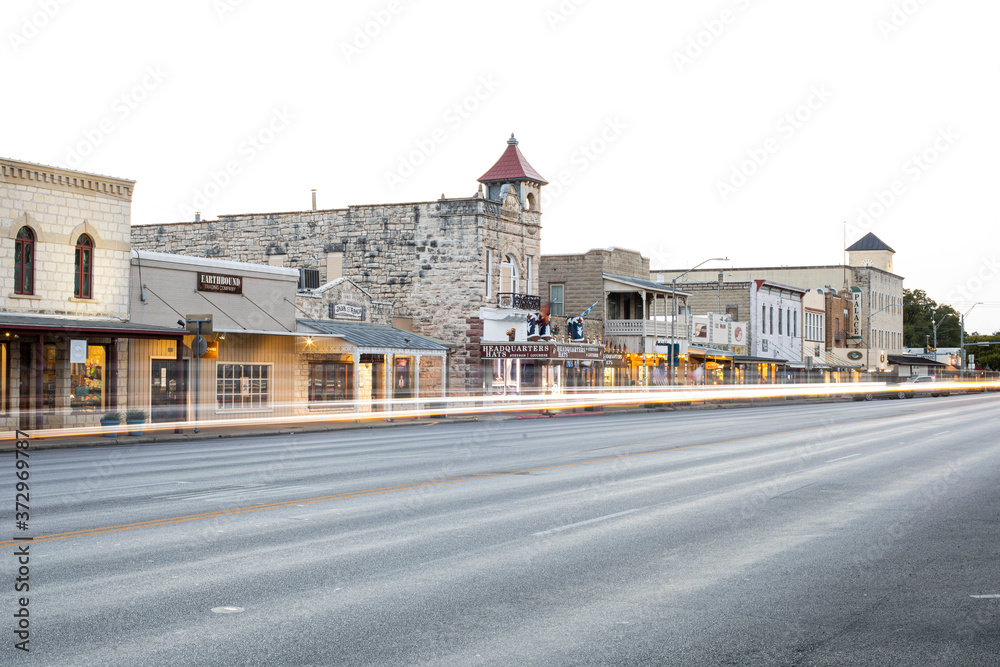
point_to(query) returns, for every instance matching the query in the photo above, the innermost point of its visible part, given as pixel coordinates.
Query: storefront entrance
(168, 390)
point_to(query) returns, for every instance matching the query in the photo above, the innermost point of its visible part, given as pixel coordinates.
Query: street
(811, 534)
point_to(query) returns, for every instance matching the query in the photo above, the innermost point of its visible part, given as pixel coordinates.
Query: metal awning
(17, 324)
(364, 335)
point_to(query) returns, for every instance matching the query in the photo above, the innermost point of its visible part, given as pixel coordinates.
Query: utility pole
(961, 345)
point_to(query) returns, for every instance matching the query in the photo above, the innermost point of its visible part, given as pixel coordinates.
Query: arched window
(530, 205)
(83, 276)
(24, 261)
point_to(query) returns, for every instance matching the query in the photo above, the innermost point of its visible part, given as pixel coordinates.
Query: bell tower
(513, 173)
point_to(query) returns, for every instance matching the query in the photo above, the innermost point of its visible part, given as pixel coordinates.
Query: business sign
(342, 311)
(539, 351)
(854, 355)
(218, 282)
(856, 312)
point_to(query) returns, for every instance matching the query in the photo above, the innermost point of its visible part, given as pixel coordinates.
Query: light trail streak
(463, 406)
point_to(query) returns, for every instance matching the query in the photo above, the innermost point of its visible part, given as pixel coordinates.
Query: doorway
(168, 390)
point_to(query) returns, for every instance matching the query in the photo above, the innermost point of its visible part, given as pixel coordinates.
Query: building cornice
(55, 178)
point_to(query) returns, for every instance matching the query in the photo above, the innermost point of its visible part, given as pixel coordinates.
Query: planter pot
(106, 424)
(133, 423)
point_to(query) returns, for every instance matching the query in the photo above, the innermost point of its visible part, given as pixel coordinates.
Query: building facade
(64, 307)
(453, 268)
(867, 281)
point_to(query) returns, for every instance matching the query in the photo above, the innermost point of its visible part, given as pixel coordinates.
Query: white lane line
(843, 457)
(583, 523)
(985, 597)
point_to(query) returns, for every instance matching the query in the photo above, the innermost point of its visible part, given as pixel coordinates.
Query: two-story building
(627, 313)
(64, 307)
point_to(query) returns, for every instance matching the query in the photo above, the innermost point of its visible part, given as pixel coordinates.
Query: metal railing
(519, 301)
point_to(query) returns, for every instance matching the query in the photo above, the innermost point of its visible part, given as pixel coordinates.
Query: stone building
(629, 312)
(453, 268)
(64, 238)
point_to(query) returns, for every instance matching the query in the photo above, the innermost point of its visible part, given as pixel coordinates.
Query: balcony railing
(519, 301)
(645, 327)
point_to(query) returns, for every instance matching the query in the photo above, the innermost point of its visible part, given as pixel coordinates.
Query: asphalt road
(827, 534)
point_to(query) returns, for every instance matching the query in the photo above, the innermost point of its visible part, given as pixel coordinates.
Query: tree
(986, 356)
(920, 313)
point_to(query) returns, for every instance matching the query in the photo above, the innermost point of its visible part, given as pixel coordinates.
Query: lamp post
(961, 343)
(673, 308)
(936, 325)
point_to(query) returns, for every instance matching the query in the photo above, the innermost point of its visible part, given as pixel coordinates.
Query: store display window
(87, 381)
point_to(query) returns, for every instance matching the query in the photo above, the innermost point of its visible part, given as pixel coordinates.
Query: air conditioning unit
(308, 278)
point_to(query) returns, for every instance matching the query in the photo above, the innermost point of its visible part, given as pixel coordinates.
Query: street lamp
(868, 331)
(961, 343)
(673, 318)
(936, 325)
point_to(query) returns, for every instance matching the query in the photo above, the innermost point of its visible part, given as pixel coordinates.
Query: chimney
(314, 198)
(197, 216)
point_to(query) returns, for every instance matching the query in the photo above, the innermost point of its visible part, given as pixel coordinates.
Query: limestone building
(64, 246)
(454, 269)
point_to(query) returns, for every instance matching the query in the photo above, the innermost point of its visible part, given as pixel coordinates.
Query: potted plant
(133, 417)
(107, 421)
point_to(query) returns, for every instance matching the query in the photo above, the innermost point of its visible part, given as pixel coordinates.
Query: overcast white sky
(683, 130)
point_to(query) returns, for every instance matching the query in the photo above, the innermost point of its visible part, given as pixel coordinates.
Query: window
(489, 274)
(24, 261)
(733, 312)
(509, 277)
(772, 319)
(331, 381)
(83, 278)
(527, 275)
(779, 322)
(243, 386)
(86, 381)
(763, 319)
(556, 300)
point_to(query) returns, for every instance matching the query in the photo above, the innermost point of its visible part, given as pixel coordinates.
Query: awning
(912, 360)
(16, 324)
(759, 360)
(364, 335)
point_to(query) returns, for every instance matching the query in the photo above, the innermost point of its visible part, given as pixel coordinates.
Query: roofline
(62, 170)
(211, 262)
(779, 268)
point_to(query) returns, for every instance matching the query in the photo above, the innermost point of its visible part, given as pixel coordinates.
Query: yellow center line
(360, 493)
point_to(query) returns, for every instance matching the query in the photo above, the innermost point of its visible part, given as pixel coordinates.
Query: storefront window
(87, 381)
(242, 386)
(331, 381)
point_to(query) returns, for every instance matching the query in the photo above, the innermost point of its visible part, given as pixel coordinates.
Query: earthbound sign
(217, 282)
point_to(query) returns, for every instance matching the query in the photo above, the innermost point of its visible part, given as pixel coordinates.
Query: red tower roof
(512, 167)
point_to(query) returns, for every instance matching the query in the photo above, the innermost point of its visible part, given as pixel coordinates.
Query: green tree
(920, 313)
(986, 356)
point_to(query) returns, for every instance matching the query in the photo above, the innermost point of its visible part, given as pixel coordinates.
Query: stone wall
(428, 259)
